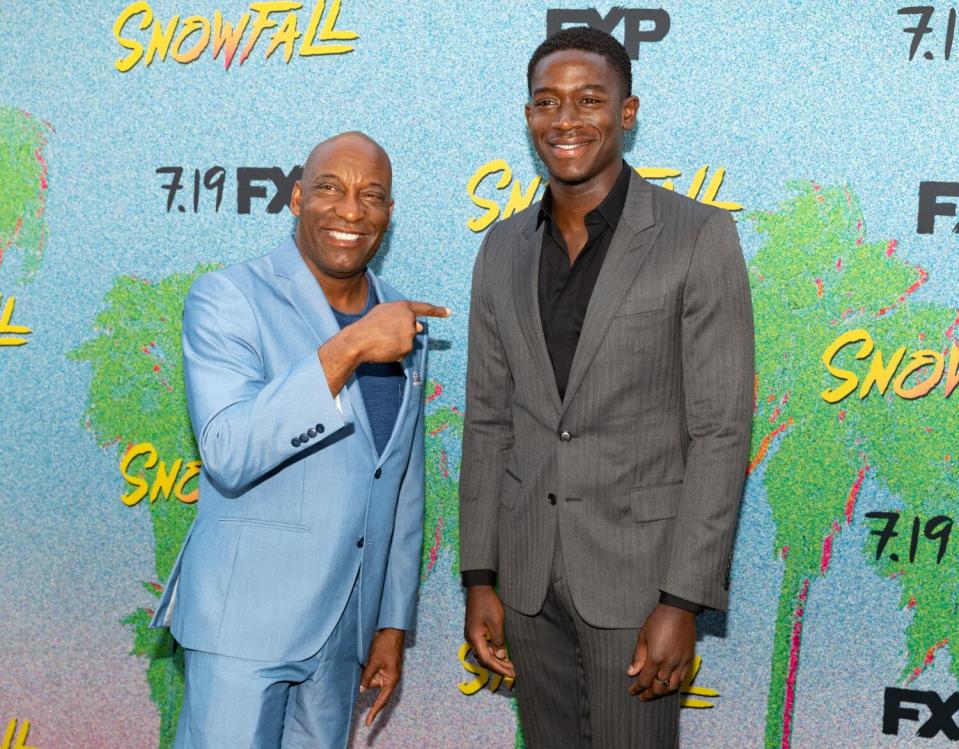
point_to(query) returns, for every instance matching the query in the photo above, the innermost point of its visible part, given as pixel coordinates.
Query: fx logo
(940, 713)
(252, 180)
(930, 206)
(631, 18)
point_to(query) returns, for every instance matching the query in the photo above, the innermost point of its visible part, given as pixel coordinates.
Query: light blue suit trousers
(234, 702)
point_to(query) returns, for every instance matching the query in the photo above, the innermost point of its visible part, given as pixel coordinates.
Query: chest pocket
(638, 321)
(640, 306)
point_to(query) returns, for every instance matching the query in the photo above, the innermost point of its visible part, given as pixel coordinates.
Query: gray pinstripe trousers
(571, 682)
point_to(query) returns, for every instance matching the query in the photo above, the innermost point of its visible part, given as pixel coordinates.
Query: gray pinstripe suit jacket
(658, 407)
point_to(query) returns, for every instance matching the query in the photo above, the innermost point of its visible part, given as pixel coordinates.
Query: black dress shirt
(565, 289)
(564, 293)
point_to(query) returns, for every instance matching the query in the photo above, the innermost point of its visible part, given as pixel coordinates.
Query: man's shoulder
(670, 206)
(242, 277)
(504, 237)
(520, 223)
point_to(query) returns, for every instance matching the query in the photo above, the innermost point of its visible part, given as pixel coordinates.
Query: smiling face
(343, 204)
(577, 115)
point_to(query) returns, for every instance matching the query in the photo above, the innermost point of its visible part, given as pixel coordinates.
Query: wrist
(680, 602)
(351, 346)
(391, 633)
(676, 611)
(480, 590)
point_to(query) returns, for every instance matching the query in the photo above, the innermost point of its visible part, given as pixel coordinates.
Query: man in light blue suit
(304, 376)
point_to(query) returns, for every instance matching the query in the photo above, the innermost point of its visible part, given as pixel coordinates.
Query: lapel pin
(417, 380)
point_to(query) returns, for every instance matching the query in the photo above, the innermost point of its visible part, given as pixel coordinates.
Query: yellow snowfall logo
(154, 477)
(10, 334)
(520, 198)
(184, 41)
(16, 739)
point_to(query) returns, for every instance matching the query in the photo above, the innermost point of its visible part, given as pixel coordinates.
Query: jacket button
(320, 428)
(377, 473)
(359, 544)
(565, 437)
(295, 442)
(304, 439)
(552, 498)
(311, 432)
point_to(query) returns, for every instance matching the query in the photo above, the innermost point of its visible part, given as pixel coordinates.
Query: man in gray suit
(609, 401)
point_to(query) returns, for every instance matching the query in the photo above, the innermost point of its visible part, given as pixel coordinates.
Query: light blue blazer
(294, 501)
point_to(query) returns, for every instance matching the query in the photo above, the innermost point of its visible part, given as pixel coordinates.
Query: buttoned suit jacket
(640, 468)
(294, 501)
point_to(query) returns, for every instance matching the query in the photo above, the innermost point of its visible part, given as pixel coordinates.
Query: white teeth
(343, 235)
(569, 147)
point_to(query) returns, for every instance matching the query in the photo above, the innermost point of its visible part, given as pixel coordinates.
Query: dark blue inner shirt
(381, 384)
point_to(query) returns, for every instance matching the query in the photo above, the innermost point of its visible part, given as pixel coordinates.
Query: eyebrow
(328, 175)
(584, 87)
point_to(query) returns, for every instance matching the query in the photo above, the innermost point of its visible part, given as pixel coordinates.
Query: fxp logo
(656, 22)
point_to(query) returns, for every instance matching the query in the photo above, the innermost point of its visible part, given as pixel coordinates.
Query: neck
(347, 294)
(571, 202)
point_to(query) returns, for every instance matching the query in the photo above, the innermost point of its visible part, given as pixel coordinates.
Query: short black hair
(589, 40)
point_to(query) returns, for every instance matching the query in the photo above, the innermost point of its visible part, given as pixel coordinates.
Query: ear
(295, 197)
(529, 112)
(391, 210)
(630, 110)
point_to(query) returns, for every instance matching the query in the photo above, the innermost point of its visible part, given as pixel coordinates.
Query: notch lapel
(306, 296)
(385, 294)
(526, 294)
(632, 241)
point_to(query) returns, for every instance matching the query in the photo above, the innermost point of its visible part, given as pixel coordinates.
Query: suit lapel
(526, 294)
(305, 294)
(385, 294)
(632, 241)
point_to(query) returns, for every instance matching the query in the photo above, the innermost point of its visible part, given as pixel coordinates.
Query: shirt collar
(610, 210)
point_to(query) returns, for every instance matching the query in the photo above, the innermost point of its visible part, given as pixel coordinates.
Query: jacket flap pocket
(278, 525)
(512, 469)
(655, 502)
(510, 487)
(643, 304)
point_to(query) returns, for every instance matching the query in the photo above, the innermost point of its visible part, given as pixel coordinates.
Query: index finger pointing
(425, 309)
